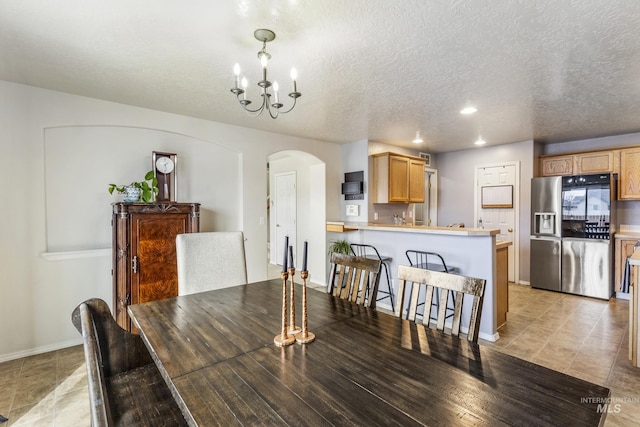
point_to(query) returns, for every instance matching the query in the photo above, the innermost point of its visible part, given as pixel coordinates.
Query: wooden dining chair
(354, 278)
(449, 285)
(432, 261)
(211, 260)
(370, 251)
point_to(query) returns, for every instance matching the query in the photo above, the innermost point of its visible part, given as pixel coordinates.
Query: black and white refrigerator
(572, 221)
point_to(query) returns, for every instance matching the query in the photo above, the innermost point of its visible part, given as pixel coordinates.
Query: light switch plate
(352, 210)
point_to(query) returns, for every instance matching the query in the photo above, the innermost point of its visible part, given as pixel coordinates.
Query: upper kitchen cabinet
(556, 165)
(629, 179)
(578, 164)
(594, 162)
(397, 178)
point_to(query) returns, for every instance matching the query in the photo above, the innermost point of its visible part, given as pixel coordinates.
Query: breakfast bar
(471, 250)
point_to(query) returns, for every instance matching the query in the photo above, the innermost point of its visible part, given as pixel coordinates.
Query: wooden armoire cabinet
(144, 252)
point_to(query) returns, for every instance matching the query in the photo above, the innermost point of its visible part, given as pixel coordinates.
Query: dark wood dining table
(215, 350)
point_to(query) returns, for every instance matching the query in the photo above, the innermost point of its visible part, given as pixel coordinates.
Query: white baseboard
(39, 350)
(622, 295)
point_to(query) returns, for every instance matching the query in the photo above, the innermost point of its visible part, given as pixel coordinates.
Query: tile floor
(582, 337)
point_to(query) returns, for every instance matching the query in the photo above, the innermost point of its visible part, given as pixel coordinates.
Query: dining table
(216, 352)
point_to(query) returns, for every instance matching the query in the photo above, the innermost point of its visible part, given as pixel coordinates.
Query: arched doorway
(298, 211)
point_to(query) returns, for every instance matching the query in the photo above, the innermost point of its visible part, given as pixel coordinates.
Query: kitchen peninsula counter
(407, 228)
(471, 250)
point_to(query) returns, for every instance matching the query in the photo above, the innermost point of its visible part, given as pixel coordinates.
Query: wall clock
(164, 167)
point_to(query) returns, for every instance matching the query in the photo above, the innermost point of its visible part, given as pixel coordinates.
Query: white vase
(132, 194)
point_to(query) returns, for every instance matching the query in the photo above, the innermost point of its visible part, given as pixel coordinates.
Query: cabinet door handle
(134, 264)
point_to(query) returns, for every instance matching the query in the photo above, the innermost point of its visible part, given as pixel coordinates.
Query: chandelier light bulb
(264, 61)
(294, 74)
(236, 72)
(275, 90)
(245, 84)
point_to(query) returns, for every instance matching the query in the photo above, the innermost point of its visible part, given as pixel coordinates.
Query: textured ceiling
(553, 70)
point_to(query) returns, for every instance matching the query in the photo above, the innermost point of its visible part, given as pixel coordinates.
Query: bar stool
(432, 261)
(368, 251)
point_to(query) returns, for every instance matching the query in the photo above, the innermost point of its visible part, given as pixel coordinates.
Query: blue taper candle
(284, 260)
(291, 257)
(304, 256)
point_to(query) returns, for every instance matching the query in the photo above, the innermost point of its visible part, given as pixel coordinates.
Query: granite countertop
(424, 229)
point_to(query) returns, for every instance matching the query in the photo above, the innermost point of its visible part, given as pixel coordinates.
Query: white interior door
(284, 214)
(504, 219)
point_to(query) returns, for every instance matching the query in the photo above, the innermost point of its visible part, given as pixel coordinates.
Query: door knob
(510, 230)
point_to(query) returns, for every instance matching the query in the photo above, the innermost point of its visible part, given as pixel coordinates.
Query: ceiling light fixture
(274, 108)
(480, 141)
(418, 139)
(468, 110)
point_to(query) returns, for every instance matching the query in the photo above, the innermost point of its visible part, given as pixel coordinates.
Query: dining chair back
(210, 260)
(370, 251)
(448, 284)
(354, 278)
(432, 261)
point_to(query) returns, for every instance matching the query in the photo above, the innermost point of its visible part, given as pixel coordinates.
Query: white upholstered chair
(210, 260)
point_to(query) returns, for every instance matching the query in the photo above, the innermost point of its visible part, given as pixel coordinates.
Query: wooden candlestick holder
(304, 336)
(293, 329)
(284, 339)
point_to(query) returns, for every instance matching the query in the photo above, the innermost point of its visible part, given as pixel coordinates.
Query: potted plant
(142, 190)
(340, 247)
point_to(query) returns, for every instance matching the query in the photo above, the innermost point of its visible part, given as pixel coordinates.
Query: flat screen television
(352, 187)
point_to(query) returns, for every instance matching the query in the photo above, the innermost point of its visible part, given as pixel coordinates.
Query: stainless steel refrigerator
(546, 235)
(572, 220)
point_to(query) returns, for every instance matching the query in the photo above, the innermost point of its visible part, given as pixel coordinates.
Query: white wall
(456, 172)
(37, 294)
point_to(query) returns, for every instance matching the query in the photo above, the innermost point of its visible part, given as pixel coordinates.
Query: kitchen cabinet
(556, 165)
(629, 177)
(623, 248)
(144, 252)
(634, 319)
(502, 282)
(397, 178)
(578, 163)
(594, 162)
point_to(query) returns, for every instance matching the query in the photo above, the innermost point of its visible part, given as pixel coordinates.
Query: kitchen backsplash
(385, 213)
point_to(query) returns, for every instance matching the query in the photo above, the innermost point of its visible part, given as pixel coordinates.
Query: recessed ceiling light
(468, 110)
(418, 139)
(480, 141)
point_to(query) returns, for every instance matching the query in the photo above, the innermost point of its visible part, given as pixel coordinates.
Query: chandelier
(267, 89)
